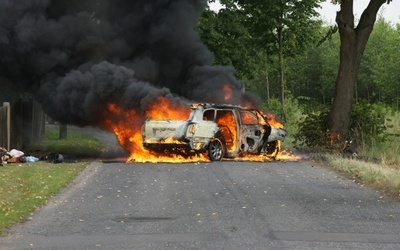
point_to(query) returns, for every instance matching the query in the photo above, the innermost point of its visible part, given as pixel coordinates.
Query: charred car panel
(220, 130)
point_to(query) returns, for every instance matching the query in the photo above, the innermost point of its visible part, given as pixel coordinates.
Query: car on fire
(221, 130)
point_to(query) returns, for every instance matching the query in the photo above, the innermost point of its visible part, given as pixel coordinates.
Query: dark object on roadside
(53, 158)
(12, 156)
(4, 156)
(58, 158)
(22, 159)
(350, 148)
(44, 158)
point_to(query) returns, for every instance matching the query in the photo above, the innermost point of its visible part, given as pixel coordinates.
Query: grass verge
(378, 162)
(385, 178)
(26, 186)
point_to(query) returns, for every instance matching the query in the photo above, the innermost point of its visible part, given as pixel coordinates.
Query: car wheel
(271, 149)
(215, 150)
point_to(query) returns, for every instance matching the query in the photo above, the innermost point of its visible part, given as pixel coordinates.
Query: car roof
(218, 106)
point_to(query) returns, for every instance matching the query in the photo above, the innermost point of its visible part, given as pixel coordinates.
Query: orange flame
(126, 125)
(227, 124)
(271, 119)
(288, 156)
(227, 92)
(165, 109)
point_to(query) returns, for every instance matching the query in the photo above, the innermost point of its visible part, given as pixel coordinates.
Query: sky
(391, 12)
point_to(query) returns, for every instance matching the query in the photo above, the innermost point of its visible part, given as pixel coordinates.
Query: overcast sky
(391, 12)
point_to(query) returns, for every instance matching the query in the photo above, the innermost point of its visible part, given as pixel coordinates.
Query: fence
(5, 125)
(21, 124)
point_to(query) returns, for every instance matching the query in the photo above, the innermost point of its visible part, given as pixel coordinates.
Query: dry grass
(378, 164)
(385, 178)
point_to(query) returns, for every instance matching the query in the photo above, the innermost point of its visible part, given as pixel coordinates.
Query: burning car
(217, 129)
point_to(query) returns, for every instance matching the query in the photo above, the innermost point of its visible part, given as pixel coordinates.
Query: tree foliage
(379, 78)
(311, 68)
(313, 74)
(310, 72)
(244, 34)
(229, 39)
(264, 18)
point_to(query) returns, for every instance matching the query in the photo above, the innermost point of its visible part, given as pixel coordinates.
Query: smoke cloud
(77, 56)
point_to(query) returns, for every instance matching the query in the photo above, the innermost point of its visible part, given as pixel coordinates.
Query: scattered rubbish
(16, 153)
(54, 158)
(31, 159)
(17, 156)
(350, 148)
(58, 158)
(4, 156)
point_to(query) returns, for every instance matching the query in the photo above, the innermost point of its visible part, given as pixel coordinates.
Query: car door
(228, 125)
(252, 131)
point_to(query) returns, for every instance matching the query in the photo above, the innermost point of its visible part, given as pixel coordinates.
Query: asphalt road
(219, 205)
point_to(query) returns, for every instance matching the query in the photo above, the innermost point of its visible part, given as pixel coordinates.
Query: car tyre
(215, 150)
(271, 149)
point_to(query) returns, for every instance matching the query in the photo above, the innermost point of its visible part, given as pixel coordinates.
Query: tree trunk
(282, 82)
(352, 46)
(267, 78)
(63, 130)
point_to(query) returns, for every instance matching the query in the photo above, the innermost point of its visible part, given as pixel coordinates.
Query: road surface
(219, 205)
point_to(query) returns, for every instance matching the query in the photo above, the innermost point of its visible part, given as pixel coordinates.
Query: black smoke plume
(76, 56)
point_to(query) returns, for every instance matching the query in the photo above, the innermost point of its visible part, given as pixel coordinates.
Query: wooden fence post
(8, 124)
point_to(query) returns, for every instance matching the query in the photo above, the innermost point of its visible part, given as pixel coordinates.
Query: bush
(293, 114)
(314, 129)
(292, 109)
(368, 122)
(367, 126)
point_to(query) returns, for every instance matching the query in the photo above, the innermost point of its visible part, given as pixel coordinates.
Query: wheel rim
(215, 150)
(272, 153)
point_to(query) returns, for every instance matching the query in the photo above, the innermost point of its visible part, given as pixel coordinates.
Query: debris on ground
(17, 156)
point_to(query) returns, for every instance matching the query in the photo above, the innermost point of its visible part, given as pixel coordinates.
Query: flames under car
(219, 130)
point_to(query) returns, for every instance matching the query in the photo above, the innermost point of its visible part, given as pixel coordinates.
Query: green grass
(76, 144)
(26, 186)
(387, 152)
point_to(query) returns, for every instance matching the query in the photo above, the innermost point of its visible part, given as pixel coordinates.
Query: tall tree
(313, 74)
(379, 77)
(352, 45)
(226, 35)
(278, 27)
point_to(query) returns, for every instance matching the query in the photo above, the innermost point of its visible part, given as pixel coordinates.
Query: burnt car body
(217, 129)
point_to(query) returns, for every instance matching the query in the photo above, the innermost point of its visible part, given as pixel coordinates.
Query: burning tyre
(215, 150)
(221, 131)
